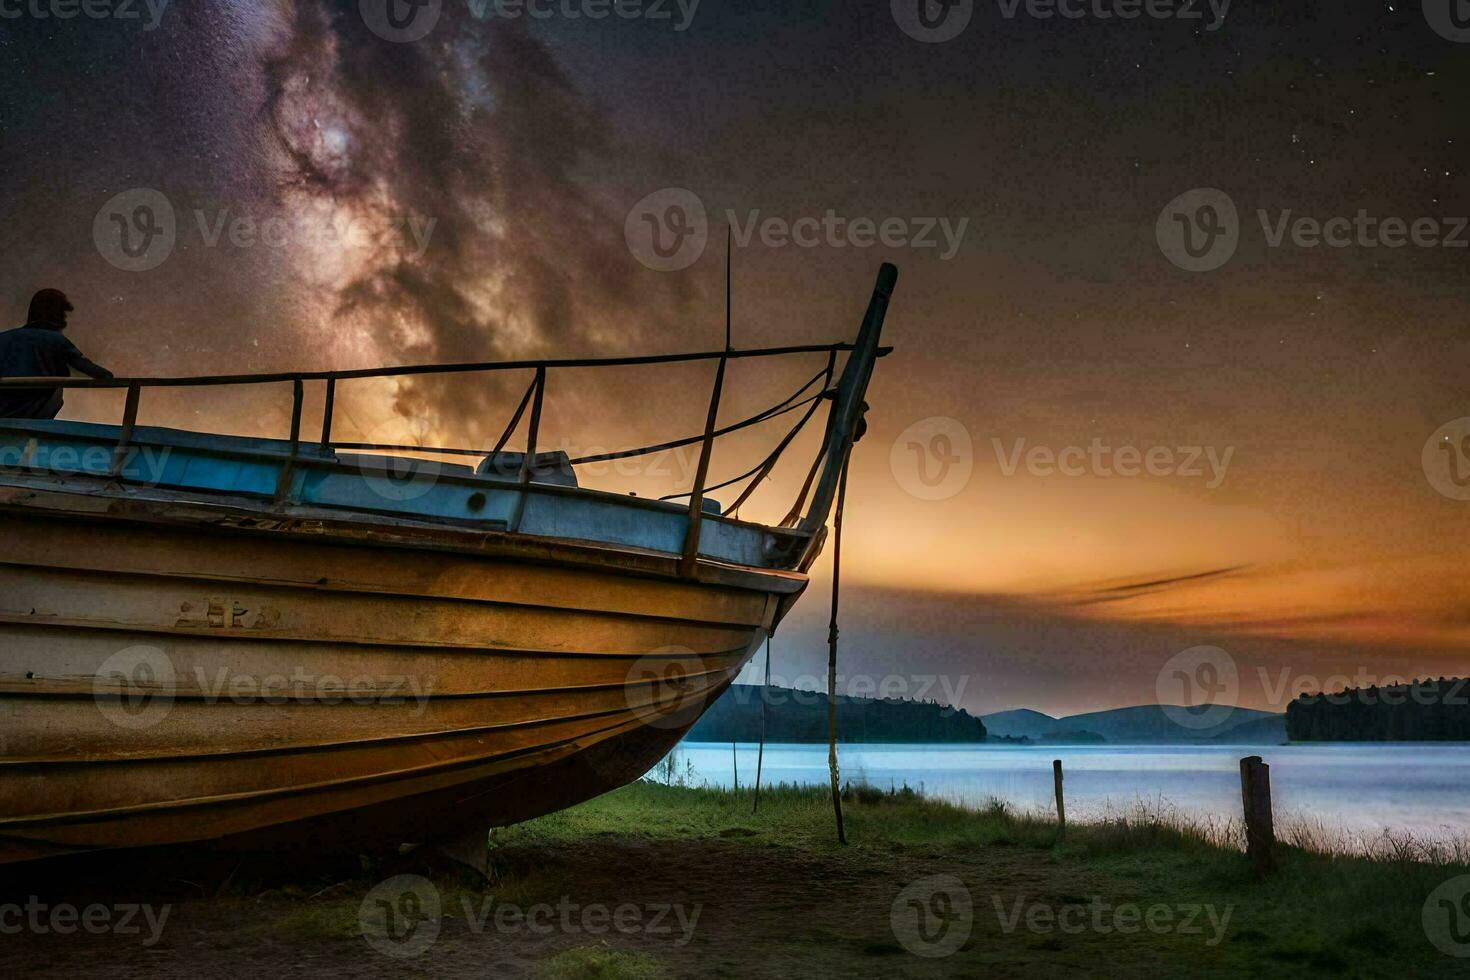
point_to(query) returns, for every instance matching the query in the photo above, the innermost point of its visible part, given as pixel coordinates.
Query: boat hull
(161, 684)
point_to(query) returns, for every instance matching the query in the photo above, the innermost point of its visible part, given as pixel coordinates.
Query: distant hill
(1270, 730)
(1019, 723)
(1429, 710)
(1146, 724)
(801, 716)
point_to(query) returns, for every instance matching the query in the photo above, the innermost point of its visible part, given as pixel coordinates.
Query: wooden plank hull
(160, 685)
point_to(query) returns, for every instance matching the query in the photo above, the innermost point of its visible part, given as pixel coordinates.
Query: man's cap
(47, 303)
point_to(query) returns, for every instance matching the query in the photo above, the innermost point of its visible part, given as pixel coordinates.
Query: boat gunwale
(353, 462)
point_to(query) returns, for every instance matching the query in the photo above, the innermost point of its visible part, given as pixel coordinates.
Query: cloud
(476, 132)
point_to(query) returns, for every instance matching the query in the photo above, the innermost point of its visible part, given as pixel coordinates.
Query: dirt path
(701, 908)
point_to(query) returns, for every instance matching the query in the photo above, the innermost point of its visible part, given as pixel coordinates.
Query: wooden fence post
(1056, 773)
(1260, 831)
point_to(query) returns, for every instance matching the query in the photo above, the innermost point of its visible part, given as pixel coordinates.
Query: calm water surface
(1356, 789)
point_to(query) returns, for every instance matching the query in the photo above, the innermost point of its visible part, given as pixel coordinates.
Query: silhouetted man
(38, 350)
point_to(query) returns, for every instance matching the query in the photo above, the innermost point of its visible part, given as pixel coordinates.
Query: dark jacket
(38, 350)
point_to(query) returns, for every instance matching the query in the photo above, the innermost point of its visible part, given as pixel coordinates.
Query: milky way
(463, 196)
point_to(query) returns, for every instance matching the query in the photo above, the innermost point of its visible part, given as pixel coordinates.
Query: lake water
(1356, 789)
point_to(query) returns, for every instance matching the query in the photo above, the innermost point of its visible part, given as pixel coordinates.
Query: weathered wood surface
(1056, 775)
(278, 680)
(1260, 826)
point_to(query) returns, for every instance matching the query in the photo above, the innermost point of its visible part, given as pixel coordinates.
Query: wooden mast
(847, 412)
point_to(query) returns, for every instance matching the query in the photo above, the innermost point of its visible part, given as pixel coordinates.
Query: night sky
(1319, 375)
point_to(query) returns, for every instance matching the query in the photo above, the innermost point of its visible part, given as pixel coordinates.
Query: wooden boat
(275, 643)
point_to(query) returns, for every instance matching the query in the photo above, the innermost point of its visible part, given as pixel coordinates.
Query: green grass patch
(1322, 913)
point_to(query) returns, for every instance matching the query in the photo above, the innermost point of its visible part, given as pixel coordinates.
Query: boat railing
(808, 396)
(845, 399)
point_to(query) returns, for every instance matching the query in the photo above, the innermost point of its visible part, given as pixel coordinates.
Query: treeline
(801, 716)
(1424, 711)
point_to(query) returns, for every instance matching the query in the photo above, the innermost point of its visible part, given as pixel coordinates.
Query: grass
(776, 895)
(1326, 910)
